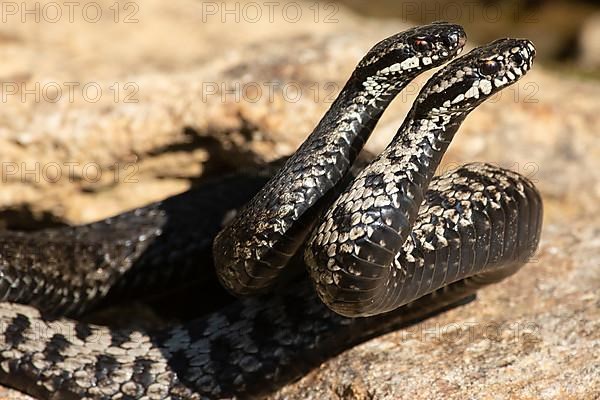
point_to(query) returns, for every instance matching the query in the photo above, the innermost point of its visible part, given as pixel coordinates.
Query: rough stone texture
(533, 336)
(162, 129)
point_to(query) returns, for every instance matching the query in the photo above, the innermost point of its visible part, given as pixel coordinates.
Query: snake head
(469, 80)
(413, 51)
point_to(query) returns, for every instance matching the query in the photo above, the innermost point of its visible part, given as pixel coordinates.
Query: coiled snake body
(394, 243)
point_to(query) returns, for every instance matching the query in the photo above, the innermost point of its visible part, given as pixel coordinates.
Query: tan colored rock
(544, 339)
(534, 336)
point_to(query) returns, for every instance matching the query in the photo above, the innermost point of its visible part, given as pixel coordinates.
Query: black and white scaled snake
(383, 246)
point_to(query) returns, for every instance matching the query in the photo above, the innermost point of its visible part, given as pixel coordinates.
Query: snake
(384, 244)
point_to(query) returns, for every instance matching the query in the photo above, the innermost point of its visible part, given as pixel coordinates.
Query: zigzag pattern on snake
(392, 244)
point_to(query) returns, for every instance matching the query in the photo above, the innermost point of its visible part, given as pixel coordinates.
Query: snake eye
(421, 44)
(517, 59)
(489, 67)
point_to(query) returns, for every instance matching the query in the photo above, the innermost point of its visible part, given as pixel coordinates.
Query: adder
(385, 245)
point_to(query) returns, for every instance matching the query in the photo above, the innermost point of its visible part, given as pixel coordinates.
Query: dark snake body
(397, 240)
(251, 252)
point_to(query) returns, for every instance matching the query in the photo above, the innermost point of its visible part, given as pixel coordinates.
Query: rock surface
(535, 335)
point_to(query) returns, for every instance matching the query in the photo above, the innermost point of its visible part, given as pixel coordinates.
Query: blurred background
(566, 33)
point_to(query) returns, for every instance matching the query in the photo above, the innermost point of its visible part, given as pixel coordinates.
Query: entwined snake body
(394, 243)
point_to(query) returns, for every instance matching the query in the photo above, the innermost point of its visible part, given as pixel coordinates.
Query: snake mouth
(456, 40)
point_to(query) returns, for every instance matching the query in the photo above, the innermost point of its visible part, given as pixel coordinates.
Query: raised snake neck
(251, 252)
(359, 257)
(476, 225)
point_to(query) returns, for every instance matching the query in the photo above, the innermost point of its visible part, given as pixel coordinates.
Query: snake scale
(384, 245)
